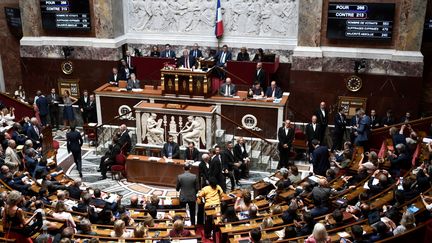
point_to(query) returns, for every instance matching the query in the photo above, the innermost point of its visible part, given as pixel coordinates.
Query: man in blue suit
(223, 56)
(273, 91)
(186, 61)
(363, 130)
(74, 143)
(42, 104)
(195, 52)
(320, 158)
(168, 53)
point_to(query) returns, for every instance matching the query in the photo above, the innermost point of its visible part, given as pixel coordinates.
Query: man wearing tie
(191, 153)
(216, 169)
(133, 83)
(322, 115)
(74, 143)
(91, 110)
(242, 157)
(375, 121)
(196, 53)
(168, 53)
(128, 59)
(223, 56)
(273, 91)
(285, 137)
(170, 149)
(313, 131)
(83, 103)
(339, 130)
(54, 100)
(34, 133)
(227, 89)
(186, 61)
(115, 77)
(260, 75)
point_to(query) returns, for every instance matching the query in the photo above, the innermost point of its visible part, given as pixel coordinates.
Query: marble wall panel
(31, 17)
(309, 25)
(80, 52)
(411, 21)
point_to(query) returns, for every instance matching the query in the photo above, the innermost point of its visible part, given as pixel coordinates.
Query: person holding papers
(273, 91)
(228, 89)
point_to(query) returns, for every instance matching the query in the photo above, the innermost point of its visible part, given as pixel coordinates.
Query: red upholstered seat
(56, 144)
(118, 170)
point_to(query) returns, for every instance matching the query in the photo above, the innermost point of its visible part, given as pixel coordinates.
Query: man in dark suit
(124, 138)
(375, 121)
(74, 143)
(354, 123)
(186, 61)
(128, 60)
(168, 53)
(195, 52)
(320, 158)
(91, 110)
(389, 119)
(313, 131)
(223, 56)
(109, 158)
(285, 137)
(133, 82)
(43, 106)
(34, 133)
(322, 115)
(339, 130)
(191, 153)
(260, 76)
(273, 91)
(83, 102)
(242, 157)
(115, 77)
(363, 131)
(124, 70)
(216, 169)
(170, 149)
(188, 187)
(203, 169)
(230, 165)
(53, 101)
(228, 89)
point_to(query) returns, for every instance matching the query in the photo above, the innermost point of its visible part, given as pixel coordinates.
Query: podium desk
(186, 82)
(140, 169)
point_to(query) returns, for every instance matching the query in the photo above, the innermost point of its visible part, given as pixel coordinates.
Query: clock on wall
(354, 83)
(67, 67)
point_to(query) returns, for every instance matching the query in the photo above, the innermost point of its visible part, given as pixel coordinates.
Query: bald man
(273, 91)
(124, 138)
(285, 137)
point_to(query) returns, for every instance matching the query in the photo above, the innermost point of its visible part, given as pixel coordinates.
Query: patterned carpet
(120, 187)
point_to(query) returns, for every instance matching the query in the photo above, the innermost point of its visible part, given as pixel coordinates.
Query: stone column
(309, 24)
(31, 17)
(411, 20)
(108, 18)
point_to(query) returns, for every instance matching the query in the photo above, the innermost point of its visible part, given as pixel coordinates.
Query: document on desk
(156, 159)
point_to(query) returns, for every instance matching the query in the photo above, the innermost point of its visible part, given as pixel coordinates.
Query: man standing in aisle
(188, 187)
(74, 143)
(322, 115)
(285, 137)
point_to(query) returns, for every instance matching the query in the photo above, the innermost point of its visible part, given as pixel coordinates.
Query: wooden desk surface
(143, 105)
(150, 92)
(140, 169)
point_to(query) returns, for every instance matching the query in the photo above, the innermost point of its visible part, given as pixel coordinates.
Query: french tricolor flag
(219, 23)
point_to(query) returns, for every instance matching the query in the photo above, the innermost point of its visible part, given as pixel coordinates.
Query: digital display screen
(66, 15)
(360, 21)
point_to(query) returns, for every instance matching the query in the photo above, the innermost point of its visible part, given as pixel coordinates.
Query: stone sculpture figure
(193, 131)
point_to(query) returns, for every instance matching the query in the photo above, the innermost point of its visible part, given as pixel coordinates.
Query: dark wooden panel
(308, 89)
(110, 109)
(43, 73)
(266, 118)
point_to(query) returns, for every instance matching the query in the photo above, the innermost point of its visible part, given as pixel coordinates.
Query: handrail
(115, 118)
(244, 128)
(21, 109)
(233, 75)
(413, 122)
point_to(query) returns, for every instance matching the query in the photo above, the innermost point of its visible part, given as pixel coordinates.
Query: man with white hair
(34, 132)
(124, 138)
(11, 157)
(186, 61)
